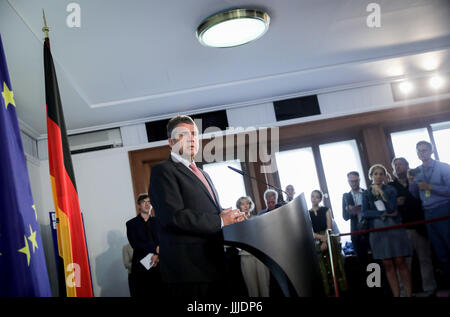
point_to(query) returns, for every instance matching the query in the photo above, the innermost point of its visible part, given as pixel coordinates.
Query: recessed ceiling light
(436, 82)
(232, 28)
(430, 63)
(405, 87)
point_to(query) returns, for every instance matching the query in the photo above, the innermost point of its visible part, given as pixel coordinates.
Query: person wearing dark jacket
(410, 209)
(188, 208)
(143, 236)
(351, 210)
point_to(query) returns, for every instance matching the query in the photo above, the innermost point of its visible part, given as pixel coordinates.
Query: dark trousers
(235, 280)
(439, 234)
(131, 285)
(145, 283)
(361, 246)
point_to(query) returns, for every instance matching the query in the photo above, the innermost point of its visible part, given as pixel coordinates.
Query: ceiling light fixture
(233, 27)
(436, 82)
(406, 87)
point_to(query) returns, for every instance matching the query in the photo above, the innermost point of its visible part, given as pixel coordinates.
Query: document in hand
(147, 261)
(380, 205)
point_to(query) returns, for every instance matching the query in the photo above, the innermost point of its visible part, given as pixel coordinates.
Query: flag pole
(72, 246)
(45, 28)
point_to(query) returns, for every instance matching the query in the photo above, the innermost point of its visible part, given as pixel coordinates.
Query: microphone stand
(267, 184)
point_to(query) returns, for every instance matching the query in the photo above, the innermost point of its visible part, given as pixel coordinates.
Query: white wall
(105, 191)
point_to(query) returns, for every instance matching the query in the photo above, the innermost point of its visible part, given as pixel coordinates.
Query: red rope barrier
(394, 226)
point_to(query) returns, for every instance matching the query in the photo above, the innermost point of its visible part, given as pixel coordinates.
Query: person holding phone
(351, 210)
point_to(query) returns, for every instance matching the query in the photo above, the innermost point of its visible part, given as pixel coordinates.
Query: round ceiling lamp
(233, 27)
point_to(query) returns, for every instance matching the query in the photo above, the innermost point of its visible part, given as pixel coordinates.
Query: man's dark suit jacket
(144, 238)
(347, 199)
(191, 249)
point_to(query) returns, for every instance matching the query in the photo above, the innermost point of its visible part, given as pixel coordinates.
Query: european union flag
(23, 271)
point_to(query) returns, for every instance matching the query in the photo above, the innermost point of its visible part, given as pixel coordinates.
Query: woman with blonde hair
(379, 207)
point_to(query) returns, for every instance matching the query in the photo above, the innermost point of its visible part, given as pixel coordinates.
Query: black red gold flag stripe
(71, 238)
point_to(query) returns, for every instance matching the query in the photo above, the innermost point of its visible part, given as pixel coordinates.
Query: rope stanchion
(413, 223)
(333, 270)
(329, 244)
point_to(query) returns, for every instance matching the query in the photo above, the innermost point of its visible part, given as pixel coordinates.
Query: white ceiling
(139, 60)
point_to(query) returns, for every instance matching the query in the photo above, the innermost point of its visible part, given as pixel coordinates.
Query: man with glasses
(351, 209)
(143, 235)
(431, 183)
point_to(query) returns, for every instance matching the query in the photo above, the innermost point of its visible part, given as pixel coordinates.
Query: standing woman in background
(321, 221)
(390, 246)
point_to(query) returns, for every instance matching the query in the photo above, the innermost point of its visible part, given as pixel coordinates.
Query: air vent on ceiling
(296, 107)
(95, 141)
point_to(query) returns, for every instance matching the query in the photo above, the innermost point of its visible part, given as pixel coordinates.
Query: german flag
(71, 239)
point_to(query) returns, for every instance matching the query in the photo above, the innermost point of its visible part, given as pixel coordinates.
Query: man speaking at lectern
(187, 205)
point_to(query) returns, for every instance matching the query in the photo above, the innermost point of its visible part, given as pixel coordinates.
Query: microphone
(246, 175)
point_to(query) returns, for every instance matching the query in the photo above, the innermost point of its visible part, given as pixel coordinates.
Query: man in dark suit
(143, 235)
(187, 206)
(351, 209)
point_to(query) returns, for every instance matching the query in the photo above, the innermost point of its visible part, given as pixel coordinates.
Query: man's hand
(393, 214)
(410, 177)
(424, 186)
(155, 260)
(353, 210)
(401, 200)
(230, 216)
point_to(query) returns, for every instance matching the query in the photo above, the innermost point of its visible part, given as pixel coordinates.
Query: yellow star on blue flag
(26, 250)
(8, 96)
(32, 238)
(23, 270)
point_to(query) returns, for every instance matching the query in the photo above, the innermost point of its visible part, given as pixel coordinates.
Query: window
(229, 184)
(404, 144)
(297, 168)
(338, 159)
(441, 135)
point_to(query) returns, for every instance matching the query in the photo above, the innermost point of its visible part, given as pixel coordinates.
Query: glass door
(441, 135)
(404, 144)
(297, 167)
(229, 184)
(338, 159)
(324, 167)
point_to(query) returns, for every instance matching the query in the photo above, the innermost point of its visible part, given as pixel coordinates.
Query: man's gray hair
(270, 192)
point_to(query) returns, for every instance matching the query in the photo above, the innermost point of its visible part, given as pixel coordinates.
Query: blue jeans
(439, 234)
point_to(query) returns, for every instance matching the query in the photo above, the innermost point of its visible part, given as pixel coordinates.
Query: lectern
(283, 240)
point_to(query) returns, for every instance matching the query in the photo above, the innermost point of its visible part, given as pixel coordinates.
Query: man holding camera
(351, 209)
(431, 183)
